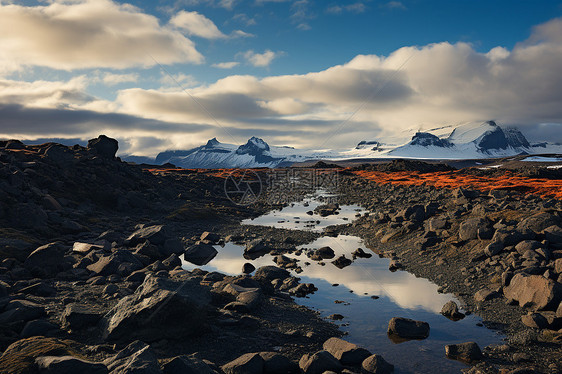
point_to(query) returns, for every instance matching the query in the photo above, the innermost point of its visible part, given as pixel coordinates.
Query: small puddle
(368, 294)
(297, 216)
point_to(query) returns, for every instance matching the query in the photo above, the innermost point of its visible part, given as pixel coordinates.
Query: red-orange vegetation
(452, 179)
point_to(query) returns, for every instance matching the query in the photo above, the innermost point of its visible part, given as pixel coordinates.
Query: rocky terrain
(91, 277)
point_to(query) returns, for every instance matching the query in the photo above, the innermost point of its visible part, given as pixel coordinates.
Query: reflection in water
(365, 318)
(295, 217)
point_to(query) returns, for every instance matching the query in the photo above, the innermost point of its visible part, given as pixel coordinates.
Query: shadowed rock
(451, 311)
(319, 363)
(466, 352)
(159, 309)
(404, 328)
(68, 365)
(137, 357)
(347, 353)
(104, 146)
(200, 254)
(250, 363)
(376, 364)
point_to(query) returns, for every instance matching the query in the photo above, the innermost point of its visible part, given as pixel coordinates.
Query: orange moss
(452, 179)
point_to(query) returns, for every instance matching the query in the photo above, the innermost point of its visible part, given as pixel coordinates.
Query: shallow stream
(368, 294)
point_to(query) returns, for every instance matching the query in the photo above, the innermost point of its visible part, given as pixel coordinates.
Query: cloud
(46, 94)
(82, 34)
(260, 59)
(358, 7)
(49, 122)
(196, 24)
(373, 96)
(301, 14)
(394, 5)
(112, 79)
(226, 65)
(227, 4)
(183, 80)
(243, 18)
(178, 4)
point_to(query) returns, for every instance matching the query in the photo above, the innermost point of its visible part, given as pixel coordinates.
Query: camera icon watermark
(243, 186)
(246, 186)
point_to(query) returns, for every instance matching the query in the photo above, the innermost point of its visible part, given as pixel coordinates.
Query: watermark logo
(243, 186)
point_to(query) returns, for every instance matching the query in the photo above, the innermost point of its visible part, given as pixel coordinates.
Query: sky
(161, 75)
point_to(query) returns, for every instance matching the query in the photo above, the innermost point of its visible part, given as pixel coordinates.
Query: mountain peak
(253, 147)
(426, 139)
(212, 142)
(258, 142)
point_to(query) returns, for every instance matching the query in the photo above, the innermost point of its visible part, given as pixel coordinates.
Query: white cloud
(226, 65)
(197, 24)
(426, 86)
(241, 34)
(260, 59)
(89, 34)
(357, 7)
(242, 17)
(172, 81)
(112, 79)
(228, 4)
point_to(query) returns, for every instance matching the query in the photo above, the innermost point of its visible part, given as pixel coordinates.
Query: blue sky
(289, 71)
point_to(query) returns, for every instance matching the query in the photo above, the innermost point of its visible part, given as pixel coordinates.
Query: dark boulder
(342, 262)
(275, 363)
(248, 268)
(270, 273)
(200, 254)
(404, 328)
(469, 229)
(325, 253)
(553, 234)
(347, 353)
(210, 237)
(21, 311)
(135, 358)
(319, 362)
(249, 363)
(467, 352)
(157, 235)
(48, 258)
(120, 262)
(159, 309)
(451, 311)
(376, 364)
(38, 327)
(104, 147)
(76, 316)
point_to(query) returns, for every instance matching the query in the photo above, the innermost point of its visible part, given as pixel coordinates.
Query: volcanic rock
(347, 353)
(104, 147)
(407, 328)
(466, 352)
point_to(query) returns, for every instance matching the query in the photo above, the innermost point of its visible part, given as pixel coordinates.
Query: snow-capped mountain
(467, 141)
(471, 140)
(255, 153)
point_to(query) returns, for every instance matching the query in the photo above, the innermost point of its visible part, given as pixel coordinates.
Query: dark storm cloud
(17, 119)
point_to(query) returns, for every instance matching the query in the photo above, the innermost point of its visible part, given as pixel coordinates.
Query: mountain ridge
(475, 140)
